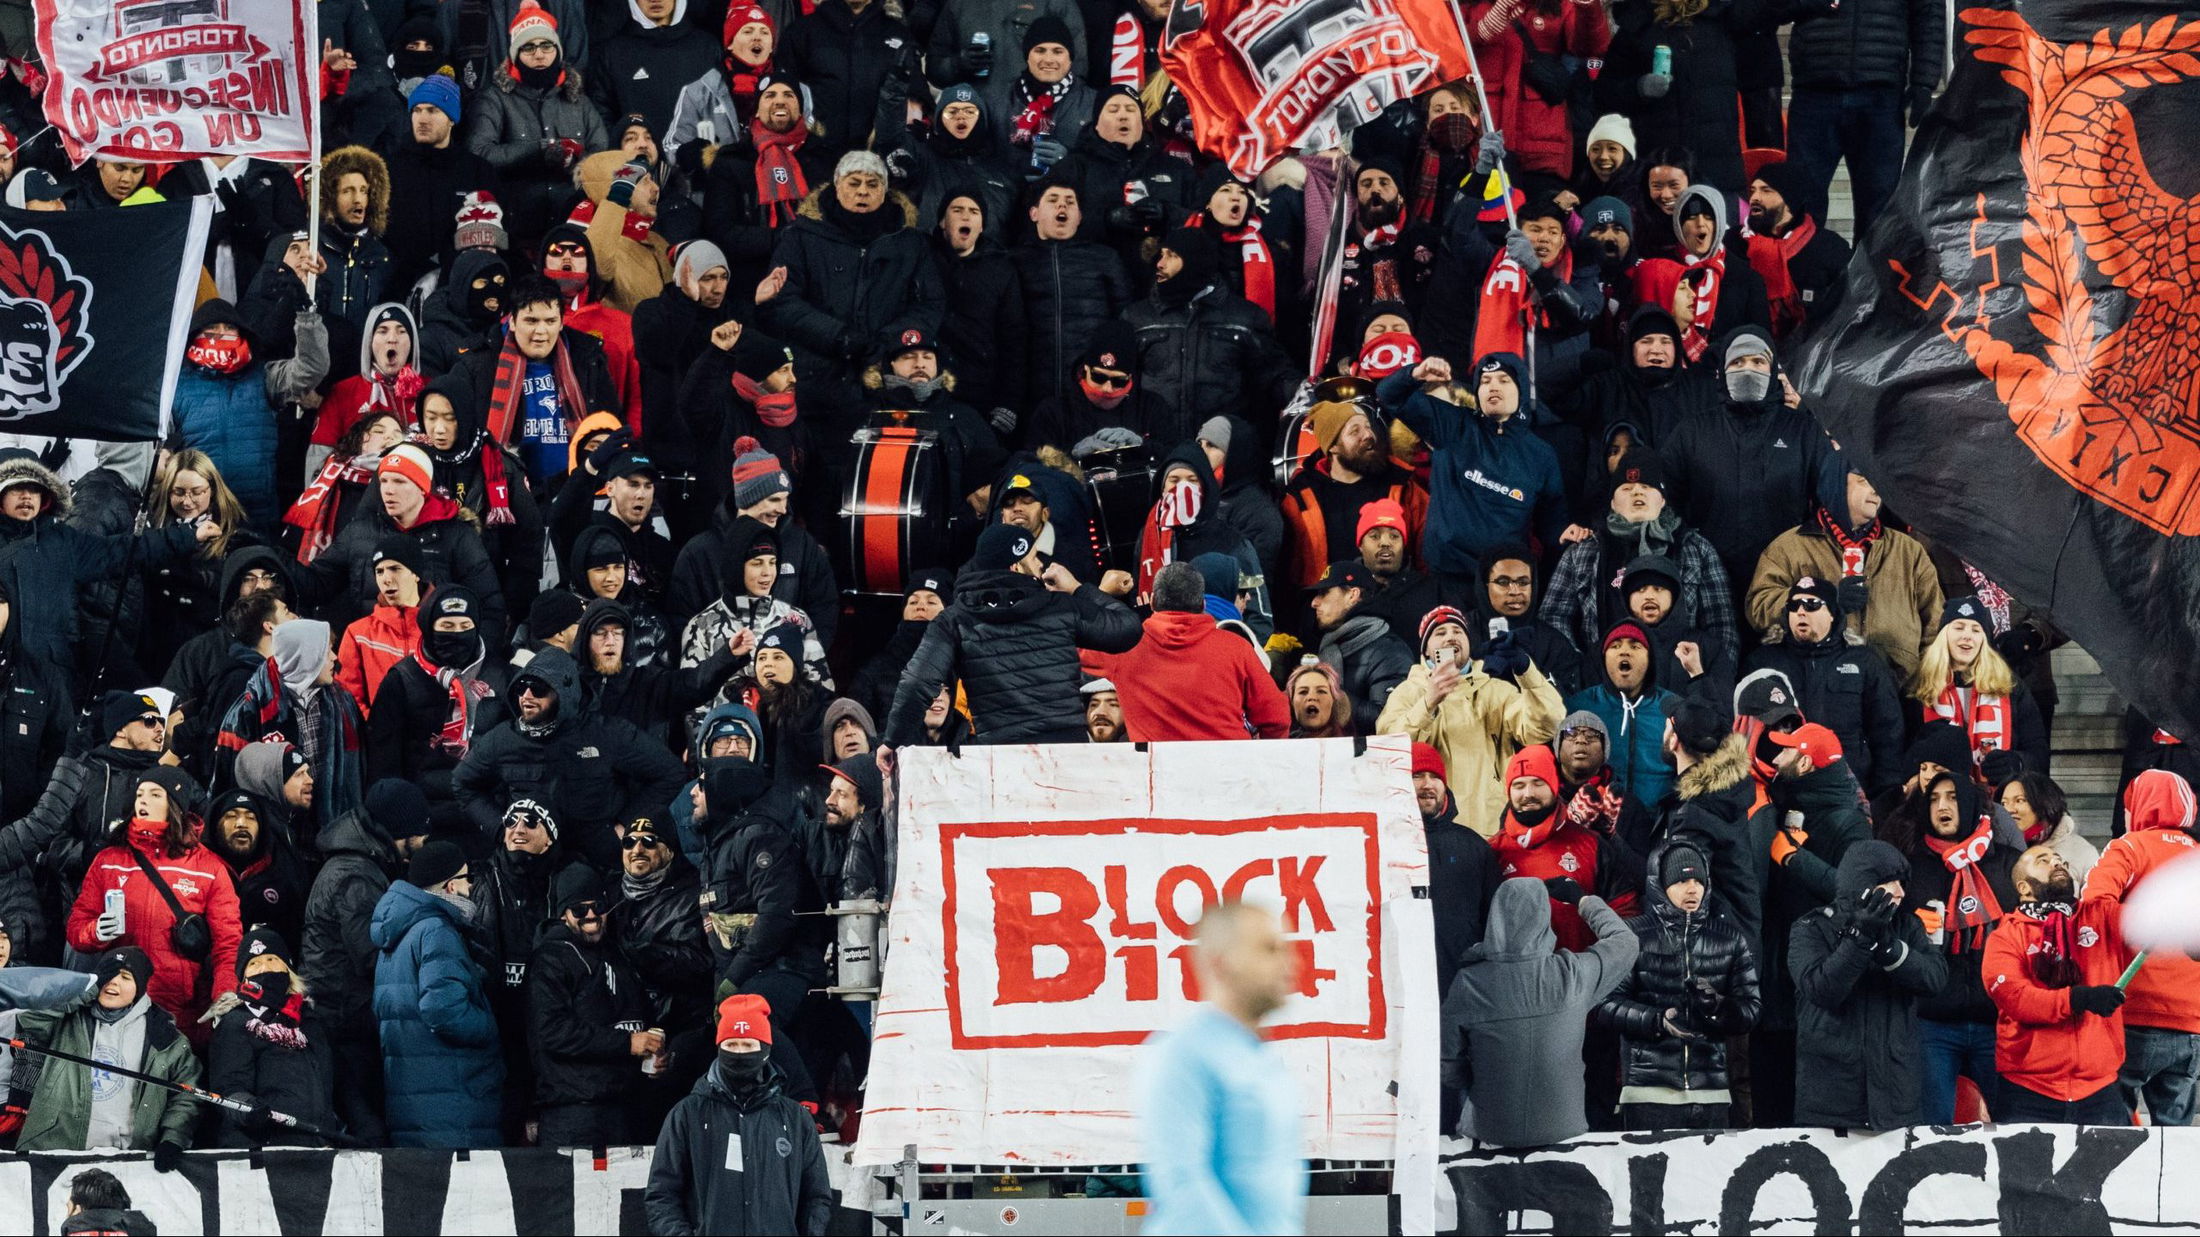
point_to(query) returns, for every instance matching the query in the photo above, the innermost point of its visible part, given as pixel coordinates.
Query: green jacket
(61, 1091)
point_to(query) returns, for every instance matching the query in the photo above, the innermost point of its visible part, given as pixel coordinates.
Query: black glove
(1502, 658)
(1854, 593)
(1003, 421)
(1048, 151)
(168, 1157)
(2002, 767)
(260, 1122)
(1704, 1002)
(616, 441)
(2022, 640)
(2101, 999)
(1564, 889)
(1874, 916)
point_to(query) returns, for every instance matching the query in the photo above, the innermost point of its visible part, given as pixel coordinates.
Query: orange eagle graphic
(2112, 407)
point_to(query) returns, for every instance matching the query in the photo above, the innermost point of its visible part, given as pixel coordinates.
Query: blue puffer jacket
(1488, 483)
(1639, 767)
(440, 1051)
(228, 417)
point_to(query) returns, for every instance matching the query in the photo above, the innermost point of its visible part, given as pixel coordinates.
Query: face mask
(1747, 386)
(543, 78)
(452, 649)
(416, 64)
(918, 391)
(223, 356)
(477, 298)
(274, 988)
(1107, 398)
(571, 283)
(743, 1066)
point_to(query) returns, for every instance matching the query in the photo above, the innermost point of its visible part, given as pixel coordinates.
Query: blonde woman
(1961, 679)
(182, 598)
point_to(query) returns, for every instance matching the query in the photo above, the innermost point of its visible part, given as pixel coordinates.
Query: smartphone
(1439, 659)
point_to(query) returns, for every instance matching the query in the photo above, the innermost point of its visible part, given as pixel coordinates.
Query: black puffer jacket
(1863, 44)
(1678, 948)
(341, 580)
(1103, 172)
(45, 564)
(1712, 802)
(1700, 109)
(589, 771)
(1070, 287)
(1214, 355)
(1743, 474)
(20, 847)
(336, 955)
(582, 1004)
(1013, 644)
(662, 939)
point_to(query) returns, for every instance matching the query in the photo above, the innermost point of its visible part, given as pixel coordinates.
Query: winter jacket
(1640, 767)
(1513, 1020)
(2042, 1042)
(645, 68)
(1700, 109)
(1742, 474)
(1846, 688)
(754, 867)
(842, 58)
(1903, 614)
(1188, 679)
(1321, 514)
(1070, 287)
(1211, 532)
(1962, 995)
(372, 647)
(201, 886)
(1462, 877)
(983, 327)
(2158, 819)
(183, 597)
(1216, 354)
(583, 1004)
(1865, 44)
(231, 417)
(805, 581)
(59, 1117)
(1679, 948)
(336, 951)
(510, 125)
(1130, 194)
(1585, 596)
(1715, 801)
(629, 270)
(1013, 645)
(450, 550)
(1538, 132)
(295, 1081)
(1477, 727)
(692, 1189)
(590, 771)
(842, 292)
(441, 1057)
(427, 185)
(405, 734)
(1834, 819)
(1371, 662)
(1005, 22)
(1489, 483)
(932, 166)
(48, 828)
(1857, 1054)
(661, 939)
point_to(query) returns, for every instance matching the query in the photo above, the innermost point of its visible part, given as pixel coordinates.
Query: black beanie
(450, 601)
(1965, 607)
(435, 863)
(397, 549)
(1938, 742)
(1047, 28)
(1640, 466)
(757, 356)
(1700, 727)
(398, 808)
(575, 882)
(261, 941)
(1202, 257)
(1682, 862)
(553, 612)
(1000, 547)
(939, 583)
(124, 958)
(1790, 182)
(119, 709)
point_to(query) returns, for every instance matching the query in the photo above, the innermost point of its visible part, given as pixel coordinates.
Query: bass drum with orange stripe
(894, 507)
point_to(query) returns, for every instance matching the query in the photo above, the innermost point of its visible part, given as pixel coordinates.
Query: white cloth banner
(1041, 929)
(162, 80)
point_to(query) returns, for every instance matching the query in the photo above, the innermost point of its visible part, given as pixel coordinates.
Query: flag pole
(1332, 273)
(309, 54)
(1505, 189)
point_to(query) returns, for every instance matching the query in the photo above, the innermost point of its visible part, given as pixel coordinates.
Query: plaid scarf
(1853, 546)
(467, 690)
(780, 185)
(1446, 136)
(1973, 910)
(2053, 964)
(330, 725)
(507, 402)
(317, 507)
(1035, 111)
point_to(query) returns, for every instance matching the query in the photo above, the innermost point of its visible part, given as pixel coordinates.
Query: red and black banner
(2016, 363)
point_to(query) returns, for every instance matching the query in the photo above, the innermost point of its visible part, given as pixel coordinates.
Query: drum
(1121, 485)
(1294, 446)
(894, 507)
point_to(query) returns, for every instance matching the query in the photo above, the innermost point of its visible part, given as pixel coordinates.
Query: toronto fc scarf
(1696, 340)
(466, 689)
(1035, 111)
(1127, 52)
(317, 507)
(1972, 910)
(1254, 258)
(1508, 298)
(1985, 719)
(780, 185)
(1853, 547)
(507, 399)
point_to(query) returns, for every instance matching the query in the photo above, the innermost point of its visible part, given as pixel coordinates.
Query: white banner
(161, 80)
(1976, 1179)
(1041, 932)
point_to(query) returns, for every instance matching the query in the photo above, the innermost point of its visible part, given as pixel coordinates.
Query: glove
(1109, 438)
(1854, 594)
(1501, 658)
(2022, 640)
(1654, 85)
(2002, 767)
(260, 1121)
(1564, 889)
(1489, 151)
(978, 58)
(1003, 421)
(1048, 151)
(167, 1157)
(1522, 250)
(1786, 846)
(616, 441)
(1875, 916)
(1704, 1002)
(2099, 999)
(108, 926)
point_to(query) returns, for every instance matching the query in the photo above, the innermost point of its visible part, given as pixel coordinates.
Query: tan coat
(1904, 613)
(1478, 727)
(631, 271)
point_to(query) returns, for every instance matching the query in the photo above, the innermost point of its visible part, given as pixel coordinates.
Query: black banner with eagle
(2016, 362)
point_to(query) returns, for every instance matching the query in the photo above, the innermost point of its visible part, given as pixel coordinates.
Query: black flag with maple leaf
(2016, 361)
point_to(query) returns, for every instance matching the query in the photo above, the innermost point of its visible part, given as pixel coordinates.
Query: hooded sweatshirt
(1514, 1018)
(1189, 679)
(1555, 848)
(2158, 819)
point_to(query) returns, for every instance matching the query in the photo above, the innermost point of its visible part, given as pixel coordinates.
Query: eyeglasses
(537, 45)
(196, 491)
(1101, 378)
(1806, 605)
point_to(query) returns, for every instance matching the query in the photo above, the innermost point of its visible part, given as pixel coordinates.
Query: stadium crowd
(450, 735)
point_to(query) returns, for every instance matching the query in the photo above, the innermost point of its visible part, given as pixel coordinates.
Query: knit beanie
(1047, 28)
(1437, 618)
(398, 808)
(757, 474)
(1000, 547)
(124, 958)
(938, 583)
(1583, 719)
(575, 883)
(411, 462)
(1682, 862)
(530, 23)
(402, 550)
(534, 814)
(758, 356)
(1790, 182)
(1379, 513)
(119, 709)
(695, 259)
(553, 611)
(1215, 432)
(1328, 418)
(1222, 573)
(745, 1016)
(1747, 343)
(1427, 759)
(1964, 607)
(261, 941)
(434, 863)
(1607, 212)
(438, 91)
(480, 223)
(1201, 256)
(1612, 127)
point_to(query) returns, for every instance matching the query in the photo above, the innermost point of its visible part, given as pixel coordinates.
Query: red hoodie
(1188, 679)
(2158, 809)
(1558, 847)
(2040, 1042)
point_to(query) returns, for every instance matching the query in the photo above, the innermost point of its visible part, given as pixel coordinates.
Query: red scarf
(499, 490)
(742, 83)
(2054, 964)
(317, 507)
(1785, 299)
(1853, 546)
(393, 393)
(1127, 52)
(467, 691)
(1527, 837)
(507, 405)
(780, 185)
(635, 227)
(1697, 338)
(1254, 258)
(1177, 511)
(773, 409)
(1985, 719)
(1508, 298)
(1036, 116)
(1973, 910)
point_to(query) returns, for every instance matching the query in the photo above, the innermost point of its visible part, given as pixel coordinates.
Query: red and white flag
(162, 80)
(1267, 77)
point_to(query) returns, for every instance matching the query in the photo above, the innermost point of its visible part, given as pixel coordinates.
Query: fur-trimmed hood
(345, 159)
(29, 471)
(1721, 770)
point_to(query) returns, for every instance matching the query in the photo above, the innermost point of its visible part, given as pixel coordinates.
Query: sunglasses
(639, 841)
(586, 910)
(1113, 382)
(1806, 605)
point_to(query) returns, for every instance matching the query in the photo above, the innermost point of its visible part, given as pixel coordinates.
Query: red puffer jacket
(1537, 132)
(201, 885)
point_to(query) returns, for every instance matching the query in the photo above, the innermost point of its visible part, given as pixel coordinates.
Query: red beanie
(1380, 513)
(1427, 759)
(742, 1016)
